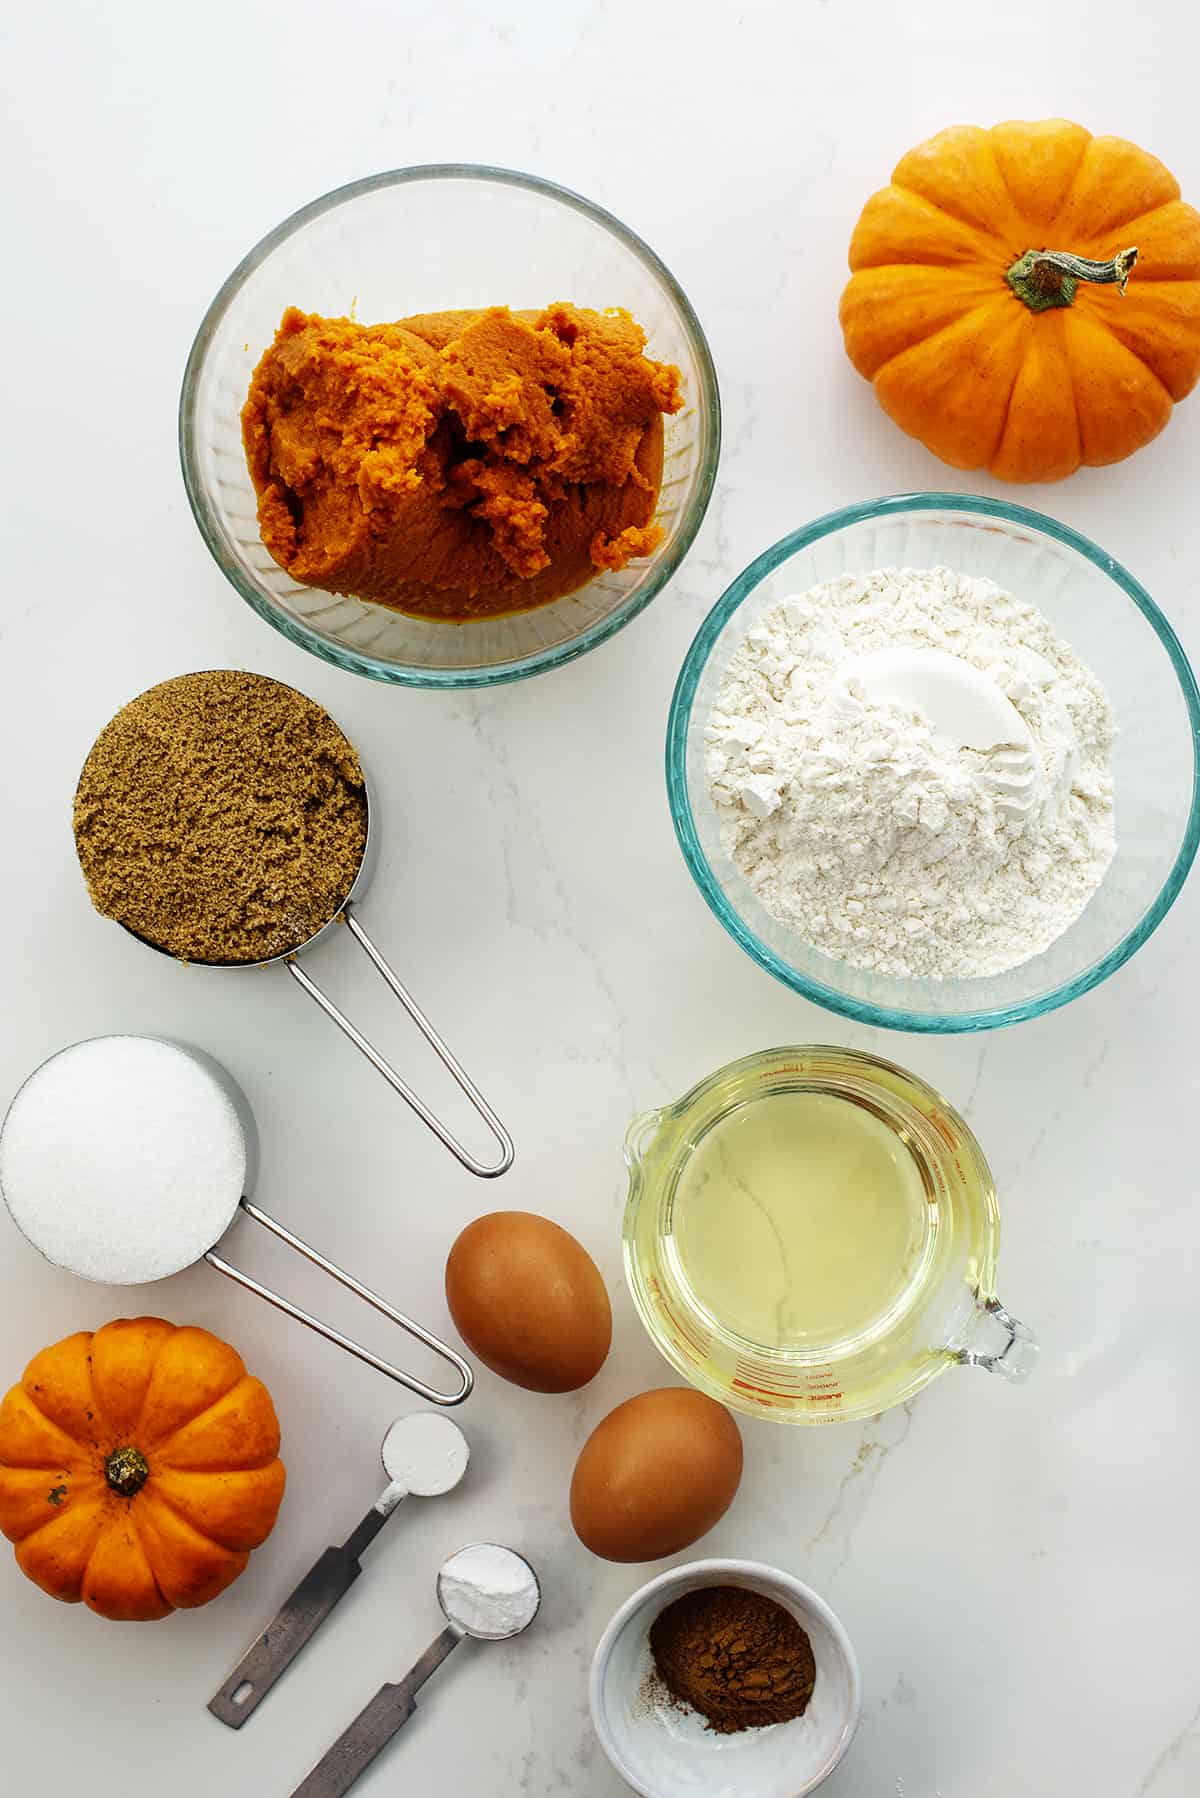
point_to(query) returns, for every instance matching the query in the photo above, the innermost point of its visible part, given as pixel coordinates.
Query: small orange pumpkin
(988, 306)
(138, 1468)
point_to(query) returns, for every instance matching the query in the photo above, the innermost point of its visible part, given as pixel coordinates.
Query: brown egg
(529, 1300)
(655, 1475)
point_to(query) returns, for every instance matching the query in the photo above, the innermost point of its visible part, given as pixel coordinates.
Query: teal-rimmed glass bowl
(433, 239)
(1113, 625)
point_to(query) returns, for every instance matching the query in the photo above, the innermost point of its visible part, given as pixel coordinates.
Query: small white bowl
(663, 1752)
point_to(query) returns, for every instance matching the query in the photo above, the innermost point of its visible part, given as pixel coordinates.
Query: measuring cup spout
(640, 1135)
(999, 1343)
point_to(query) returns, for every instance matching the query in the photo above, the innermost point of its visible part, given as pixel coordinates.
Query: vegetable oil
(806, 1221)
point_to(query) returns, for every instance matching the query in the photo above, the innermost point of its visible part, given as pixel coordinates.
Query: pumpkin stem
(126, 1471)
(1045, 278)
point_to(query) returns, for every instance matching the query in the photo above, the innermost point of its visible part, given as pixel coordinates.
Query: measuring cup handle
(440, 1348)
(999, 1343)
(437, 1043)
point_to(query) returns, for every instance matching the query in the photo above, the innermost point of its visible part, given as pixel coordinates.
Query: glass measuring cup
(943, 1310)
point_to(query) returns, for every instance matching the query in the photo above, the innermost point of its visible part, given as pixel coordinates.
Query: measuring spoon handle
(295, 1623)
(374, 1727)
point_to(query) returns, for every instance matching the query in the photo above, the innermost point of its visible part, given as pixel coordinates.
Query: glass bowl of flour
(934, 762)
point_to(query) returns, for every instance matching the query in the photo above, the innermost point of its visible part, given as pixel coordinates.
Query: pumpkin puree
(458, 464)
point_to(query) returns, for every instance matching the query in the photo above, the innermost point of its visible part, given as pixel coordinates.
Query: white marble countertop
(1017, 1567)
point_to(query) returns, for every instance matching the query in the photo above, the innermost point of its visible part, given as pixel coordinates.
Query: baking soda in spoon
(122, 1159)
(485, 1591)
(489, 1591)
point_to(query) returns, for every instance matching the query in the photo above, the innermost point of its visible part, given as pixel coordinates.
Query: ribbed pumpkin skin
(959, 361)
(207, 1433)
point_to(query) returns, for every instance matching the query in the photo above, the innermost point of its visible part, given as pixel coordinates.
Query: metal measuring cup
(467, 1611)
(346, 914)
(423, 1455)
(181, 1249)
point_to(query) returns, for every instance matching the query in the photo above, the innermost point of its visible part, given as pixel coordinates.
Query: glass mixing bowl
(430, 240)
(1117, 630)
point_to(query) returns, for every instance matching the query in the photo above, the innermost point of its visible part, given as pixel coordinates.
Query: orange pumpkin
(988, 305)
(138, 1468)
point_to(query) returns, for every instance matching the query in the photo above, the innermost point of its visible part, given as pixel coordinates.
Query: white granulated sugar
(870, 833)
(122, 1159)
(489, 1591)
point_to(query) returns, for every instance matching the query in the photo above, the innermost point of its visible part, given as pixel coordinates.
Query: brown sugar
(222, 817)
(458, 464)
(737, 1657)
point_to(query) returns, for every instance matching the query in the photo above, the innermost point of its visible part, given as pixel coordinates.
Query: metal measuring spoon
(485, 1591)
(424, 1455)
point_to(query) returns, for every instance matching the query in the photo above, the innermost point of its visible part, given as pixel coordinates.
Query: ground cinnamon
(737, 1657)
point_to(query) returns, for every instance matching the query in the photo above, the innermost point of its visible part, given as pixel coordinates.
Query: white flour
(870, 833)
